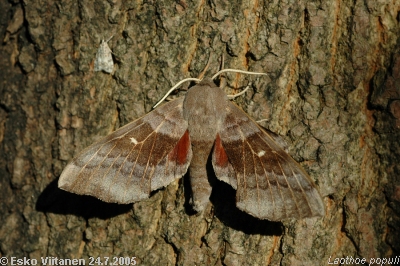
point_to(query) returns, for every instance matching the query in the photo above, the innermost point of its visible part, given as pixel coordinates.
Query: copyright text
(53, 261)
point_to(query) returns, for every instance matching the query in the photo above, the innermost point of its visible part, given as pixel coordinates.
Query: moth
(180, 136)
(104, 61)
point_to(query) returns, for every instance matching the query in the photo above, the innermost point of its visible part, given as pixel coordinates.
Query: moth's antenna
(230, 97)
(173, 88)
(237, 71)
(201, 75)
(222, 79)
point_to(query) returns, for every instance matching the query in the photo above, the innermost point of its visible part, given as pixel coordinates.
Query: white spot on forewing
(260, 153)
(134, 141)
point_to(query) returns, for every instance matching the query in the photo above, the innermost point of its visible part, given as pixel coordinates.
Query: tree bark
(332, 93)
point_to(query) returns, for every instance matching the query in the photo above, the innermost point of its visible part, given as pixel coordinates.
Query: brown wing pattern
(270, 184)
(128, 164)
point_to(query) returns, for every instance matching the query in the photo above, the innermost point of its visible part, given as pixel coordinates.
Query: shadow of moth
(180, 135)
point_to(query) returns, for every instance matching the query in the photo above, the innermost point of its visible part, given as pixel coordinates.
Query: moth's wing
(138, 158)
(270, 184)
(108, 65)
(98, 66)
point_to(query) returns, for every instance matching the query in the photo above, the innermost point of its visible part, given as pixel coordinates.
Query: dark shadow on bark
(55, 200)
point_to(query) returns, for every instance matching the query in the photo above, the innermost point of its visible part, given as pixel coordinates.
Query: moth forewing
(128, 164)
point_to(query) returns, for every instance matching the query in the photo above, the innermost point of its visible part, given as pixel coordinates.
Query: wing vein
(304, 194)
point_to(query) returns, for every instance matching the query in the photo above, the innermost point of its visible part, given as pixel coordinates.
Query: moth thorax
(204, 109)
